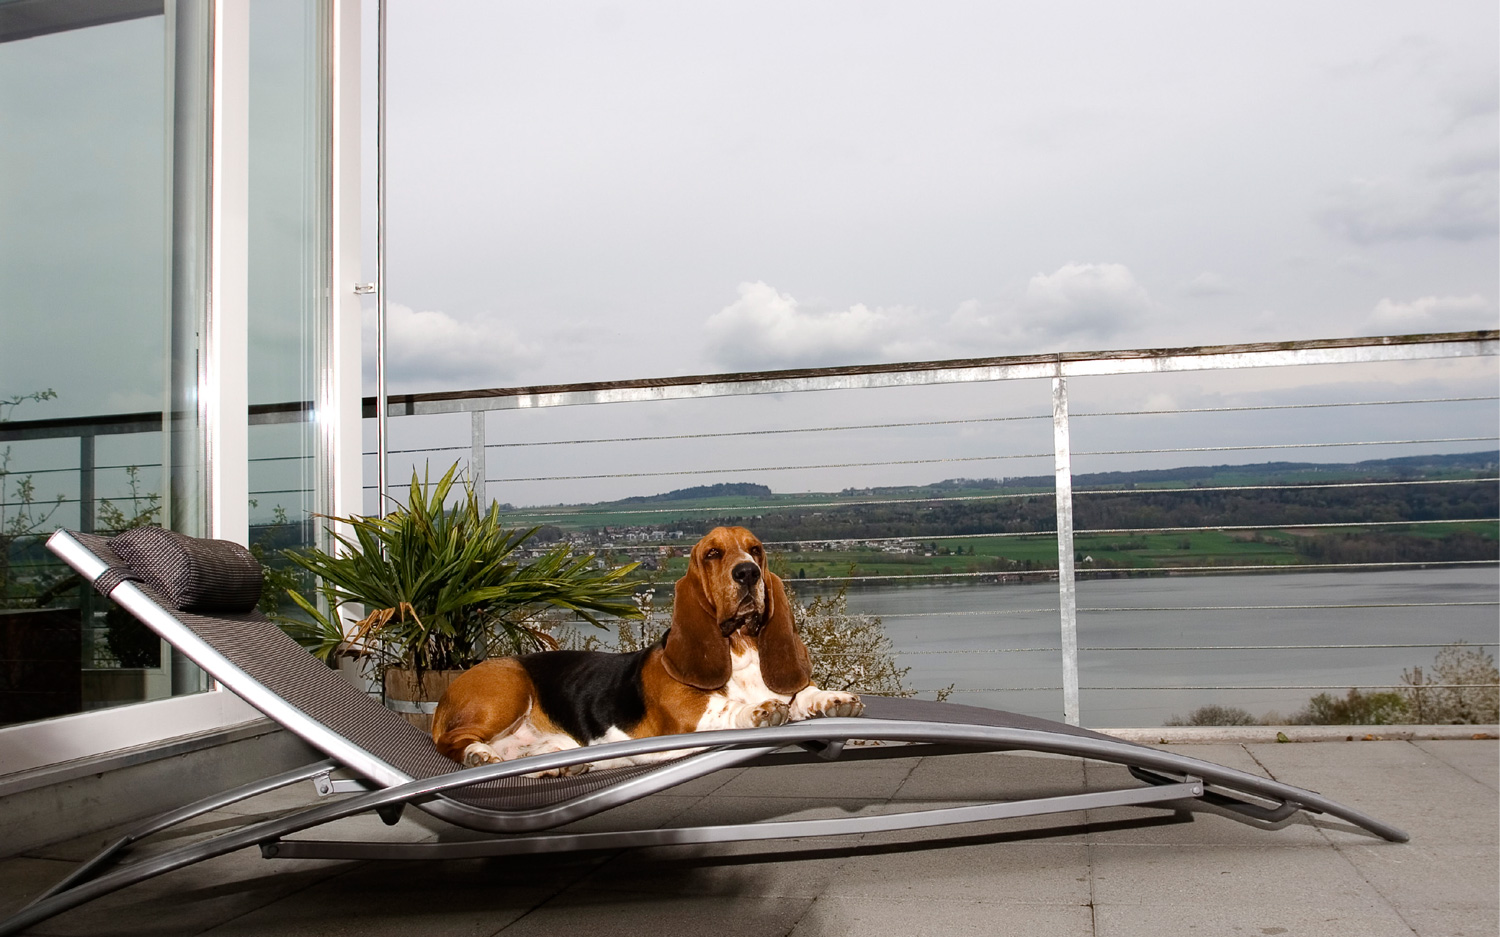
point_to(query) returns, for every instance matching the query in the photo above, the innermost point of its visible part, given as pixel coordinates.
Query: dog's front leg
(725, 713)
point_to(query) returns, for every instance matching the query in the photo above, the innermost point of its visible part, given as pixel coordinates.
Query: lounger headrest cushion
(194, 574)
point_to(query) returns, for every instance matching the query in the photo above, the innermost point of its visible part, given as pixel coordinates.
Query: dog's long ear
(696, 652)
(784, 663)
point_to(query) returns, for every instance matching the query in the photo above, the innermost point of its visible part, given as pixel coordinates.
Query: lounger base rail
(739, 832)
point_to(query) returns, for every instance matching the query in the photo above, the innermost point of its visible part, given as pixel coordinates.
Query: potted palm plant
(443, 588)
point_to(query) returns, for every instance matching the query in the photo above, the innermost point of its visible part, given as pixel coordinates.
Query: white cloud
(1432, 314)
(766, 328)
(1085, 299)
(432, 350)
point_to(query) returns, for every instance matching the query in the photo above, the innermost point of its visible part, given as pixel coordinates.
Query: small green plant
(443, 588)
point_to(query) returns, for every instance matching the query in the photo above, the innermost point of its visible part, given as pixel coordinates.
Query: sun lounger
(199, 596)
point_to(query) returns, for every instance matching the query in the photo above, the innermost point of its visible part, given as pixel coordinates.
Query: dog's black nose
(746, 573)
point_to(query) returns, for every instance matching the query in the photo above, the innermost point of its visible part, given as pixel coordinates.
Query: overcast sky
(588, 191)
(593, 191)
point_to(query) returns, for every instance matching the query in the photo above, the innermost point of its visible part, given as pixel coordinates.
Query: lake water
(979, 638)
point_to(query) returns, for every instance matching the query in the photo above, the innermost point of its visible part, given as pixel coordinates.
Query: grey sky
(592, 191)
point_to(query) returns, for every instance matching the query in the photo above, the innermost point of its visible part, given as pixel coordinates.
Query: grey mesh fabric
(268, 655)
(880, 707)
(190, 573)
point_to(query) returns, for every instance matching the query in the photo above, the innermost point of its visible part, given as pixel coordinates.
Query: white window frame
(225, 392)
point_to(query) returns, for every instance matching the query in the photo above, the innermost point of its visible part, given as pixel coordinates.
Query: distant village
(651, 547)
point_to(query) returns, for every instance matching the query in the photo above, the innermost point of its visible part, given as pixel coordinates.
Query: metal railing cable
(915, 423)
(1131, 572)
(770, 508)
(1089, 531)
(986, 613)
(992, 458)
(1287, 406)
(773, 468)
(1293, 445)
(1241, 686)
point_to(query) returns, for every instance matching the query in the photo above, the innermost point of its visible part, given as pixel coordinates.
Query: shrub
(1461, 689)
(850, 651)
(1356, 709)
(1215, 715)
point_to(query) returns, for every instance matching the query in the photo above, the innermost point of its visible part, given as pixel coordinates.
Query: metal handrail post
(476, 454)
(1067, 595)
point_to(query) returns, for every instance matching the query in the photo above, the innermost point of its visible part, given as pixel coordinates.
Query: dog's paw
(480, 754)
(829, 704)
(841, 704)
(772, 712)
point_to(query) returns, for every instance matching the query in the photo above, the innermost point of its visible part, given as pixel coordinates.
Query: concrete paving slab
(447, 899)
(22, 878)
(834, 916)
(850, 779)
(780, 869)
(1273, 917)
(579, 911)
(1444, 922)
(193, 899)
(1395, 781)
(986, 777)
(1010, 873)
(1423, 875)
(1478, 760)
(1231, 876)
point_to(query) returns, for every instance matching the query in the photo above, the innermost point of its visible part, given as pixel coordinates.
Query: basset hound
(731, 659)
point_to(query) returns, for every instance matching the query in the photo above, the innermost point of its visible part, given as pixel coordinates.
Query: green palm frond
(442, 585)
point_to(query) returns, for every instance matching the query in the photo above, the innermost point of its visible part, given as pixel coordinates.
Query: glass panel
(84, 273)
(289, 233)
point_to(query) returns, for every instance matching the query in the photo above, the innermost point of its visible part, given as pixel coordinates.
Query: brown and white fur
(730, 660)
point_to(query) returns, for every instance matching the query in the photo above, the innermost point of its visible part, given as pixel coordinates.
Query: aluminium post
(1067, 593)
(476, 454)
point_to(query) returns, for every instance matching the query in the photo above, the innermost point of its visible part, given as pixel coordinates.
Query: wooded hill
(1281, 503)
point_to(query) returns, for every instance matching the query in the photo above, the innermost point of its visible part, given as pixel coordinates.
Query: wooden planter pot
(416, 700)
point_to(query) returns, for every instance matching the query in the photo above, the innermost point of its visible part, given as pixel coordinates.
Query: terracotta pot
(417, 701)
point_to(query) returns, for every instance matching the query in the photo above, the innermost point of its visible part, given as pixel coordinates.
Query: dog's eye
(713, 554)
(756, 551)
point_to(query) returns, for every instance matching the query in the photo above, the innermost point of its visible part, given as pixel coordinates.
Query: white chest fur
(745, 699)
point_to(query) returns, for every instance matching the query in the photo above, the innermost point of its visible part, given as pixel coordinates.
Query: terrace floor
(1070, 874)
